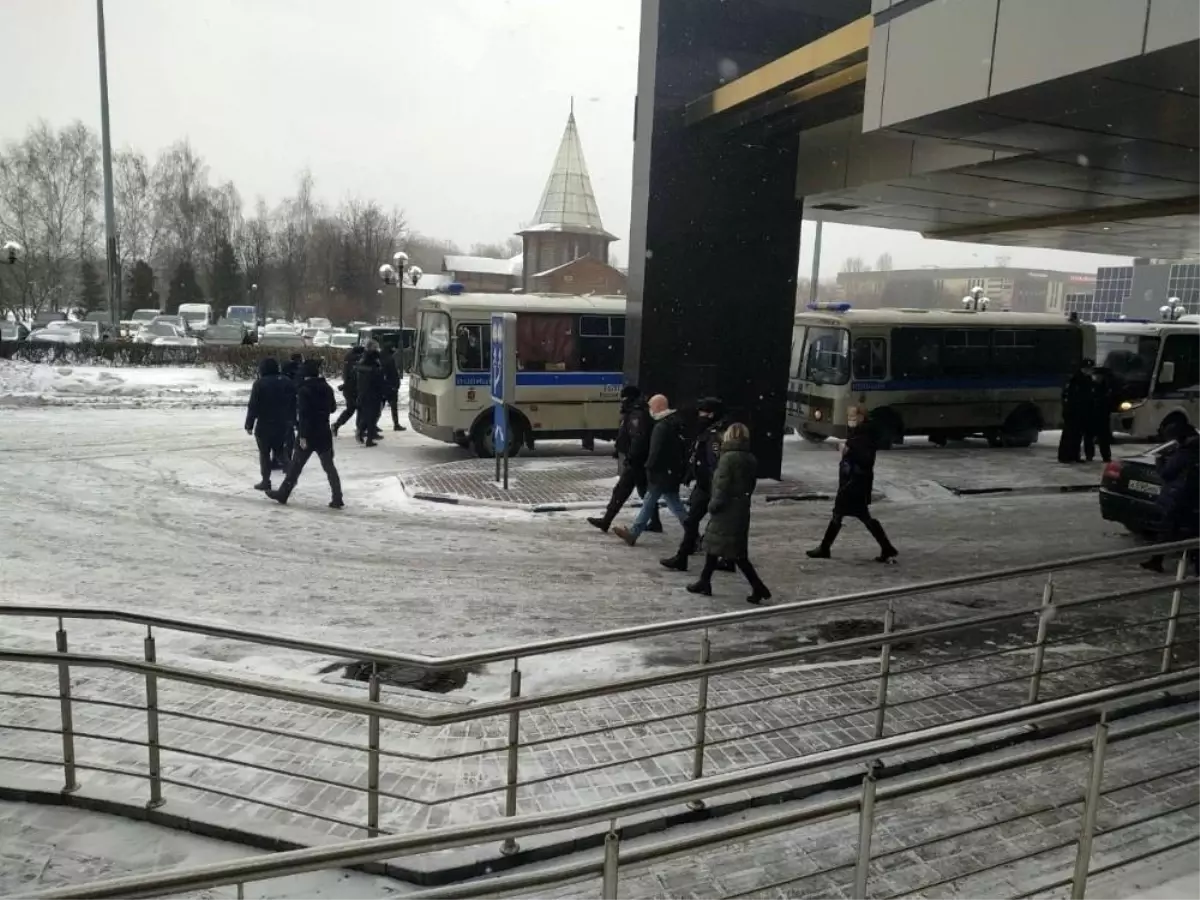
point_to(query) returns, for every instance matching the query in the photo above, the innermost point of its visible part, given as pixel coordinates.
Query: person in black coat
(665, 464)
(856, 478)
(390, 361)
(631, 449)
(315, 403)
(1179, 499)
(269, 417)
(1077, 413)
(702, 464)
(372, 390)
(1098, 434)
(349, 386)
(291, 368)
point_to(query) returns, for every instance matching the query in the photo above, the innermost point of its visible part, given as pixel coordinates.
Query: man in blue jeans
(664, 469)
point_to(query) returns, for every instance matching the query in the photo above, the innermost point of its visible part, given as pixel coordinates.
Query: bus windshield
(827, 356)
(1131, 359)
(433, 345)
(244, 314)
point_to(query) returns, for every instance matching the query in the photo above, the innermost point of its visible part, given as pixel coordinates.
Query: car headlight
(817, 415)
(1126, 406)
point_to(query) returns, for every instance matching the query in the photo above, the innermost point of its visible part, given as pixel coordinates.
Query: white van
(198, 316)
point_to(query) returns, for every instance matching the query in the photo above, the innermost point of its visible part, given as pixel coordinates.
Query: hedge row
(235, 362)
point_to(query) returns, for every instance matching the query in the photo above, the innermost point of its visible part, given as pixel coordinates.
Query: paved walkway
(575, 754)
(915, 471)
(1023, 827)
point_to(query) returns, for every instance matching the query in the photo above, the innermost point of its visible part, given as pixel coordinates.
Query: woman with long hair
(728, 533)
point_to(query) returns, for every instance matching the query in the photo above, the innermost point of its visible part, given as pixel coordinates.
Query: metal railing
(514, 744)
(877, 789)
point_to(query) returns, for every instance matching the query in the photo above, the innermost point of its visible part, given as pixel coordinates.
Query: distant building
(1011, 289)
(1139, 291)
(564, 249)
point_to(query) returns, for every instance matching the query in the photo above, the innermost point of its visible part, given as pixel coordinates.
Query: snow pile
(29, 384)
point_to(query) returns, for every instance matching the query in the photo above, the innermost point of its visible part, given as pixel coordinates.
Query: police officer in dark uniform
(1077, 413)
(632, 450)
(270, 415)
(349, 386)
(702, 463)
(1104, 403)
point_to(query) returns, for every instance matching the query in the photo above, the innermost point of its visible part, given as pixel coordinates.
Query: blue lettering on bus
(952, 384)
(548, 379)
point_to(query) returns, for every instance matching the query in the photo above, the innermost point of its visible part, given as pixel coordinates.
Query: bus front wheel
(889, 432)
(484, 445)
(1170, 422)
(1020, 429)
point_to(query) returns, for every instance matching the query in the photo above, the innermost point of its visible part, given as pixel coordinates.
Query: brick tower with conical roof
(567, 223)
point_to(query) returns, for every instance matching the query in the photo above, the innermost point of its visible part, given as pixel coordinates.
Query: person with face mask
(856, 476)
(702, 464)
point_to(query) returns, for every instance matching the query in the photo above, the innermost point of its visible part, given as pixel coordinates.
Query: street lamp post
(110, 216)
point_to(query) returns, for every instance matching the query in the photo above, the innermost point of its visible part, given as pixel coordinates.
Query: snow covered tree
(92, 295)
(139, 288)
(184, 287)
(225, 278)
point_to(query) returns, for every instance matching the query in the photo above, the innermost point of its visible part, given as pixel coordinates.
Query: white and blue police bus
(1155, 368)
(948, 374)
(570, 355)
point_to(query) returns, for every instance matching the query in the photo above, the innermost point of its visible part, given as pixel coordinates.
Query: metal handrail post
(152, 741)
(373, 756)
(866, 826)
(612, 862)
(512, 776)
(885, 668)
(1091, 804)
(701, 717)
(1039, 647)
(64, 705)
(1173, 620)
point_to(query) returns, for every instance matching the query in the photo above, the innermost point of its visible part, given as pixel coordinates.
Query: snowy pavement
(152, 510)
(30, 384)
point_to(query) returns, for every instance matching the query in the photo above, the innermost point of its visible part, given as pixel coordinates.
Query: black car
(1129, 491)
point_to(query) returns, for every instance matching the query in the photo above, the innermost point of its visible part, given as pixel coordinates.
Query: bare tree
(855, 264)
(884, 262)
(136, 196)
(183, 201)
(49, 188)
(505, 249)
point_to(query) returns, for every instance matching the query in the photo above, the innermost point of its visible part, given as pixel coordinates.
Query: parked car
(287, 339)
(178, 340)
(67, 333)
(227, 334)
(1129, 490)
(178, 321)
(343, 341)
(159, 328)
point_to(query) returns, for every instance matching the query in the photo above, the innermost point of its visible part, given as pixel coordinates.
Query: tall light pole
(110, 217)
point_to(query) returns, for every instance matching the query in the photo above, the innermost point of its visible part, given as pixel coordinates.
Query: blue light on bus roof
(827, 306)
(454, 288)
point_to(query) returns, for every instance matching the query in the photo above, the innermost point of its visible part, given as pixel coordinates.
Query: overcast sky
(450, 109)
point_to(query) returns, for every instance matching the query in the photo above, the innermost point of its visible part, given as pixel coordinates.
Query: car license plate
(1144, 487)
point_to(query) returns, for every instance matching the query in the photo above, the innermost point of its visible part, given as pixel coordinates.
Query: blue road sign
(498, 358)
(503, 377)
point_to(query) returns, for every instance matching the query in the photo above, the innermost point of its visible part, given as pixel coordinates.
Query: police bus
(1155, 368)
(570, 354)
(948, 374)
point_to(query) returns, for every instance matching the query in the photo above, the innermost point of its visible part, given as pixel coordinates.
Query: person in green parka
(728, 533)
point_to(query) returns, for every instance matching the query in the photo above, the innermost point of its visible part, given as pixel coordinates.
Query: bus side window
(870, 359)
(1014, 352)
(916, 352)
(1184, 351)
(472, 348)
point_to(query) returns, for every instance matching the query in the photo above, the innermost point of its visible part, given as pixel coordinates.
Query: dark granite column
(715, 223)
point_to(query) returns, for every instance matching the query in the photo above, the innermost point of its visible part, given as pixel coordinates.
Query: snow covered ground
(30, 384)
(47, 847)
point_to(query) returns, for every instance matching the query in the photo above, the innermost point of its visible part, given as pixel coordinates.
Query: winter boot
(887, 553)
(831, 533)
(280, 496)
(336, 503)
(625, 534)
(700, 587)
(263, 486)
(601, 522)
(677, 563)
(398, 427)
